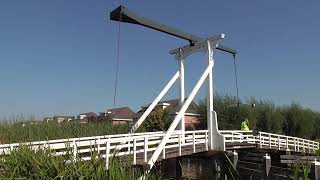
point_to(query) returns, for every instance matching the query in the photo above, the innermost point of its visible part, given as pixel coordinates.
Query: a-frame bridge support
(196, 44)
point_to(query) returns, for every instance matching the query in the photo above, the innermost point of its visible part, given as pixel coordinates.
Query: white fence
(145, 143)
(118, 145)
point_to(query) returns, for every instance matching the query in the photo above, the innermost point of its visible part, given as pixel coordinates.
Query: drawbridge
(147, 148)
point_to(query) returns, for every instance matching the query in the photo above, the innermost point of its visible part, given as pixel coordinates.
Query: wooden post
(164, 153)
(146, 149)
(107, 155)
(75, 150)
(206, 140)
(315, 170)
(178, 167)
(134, 151)
(235, 158)
(129, 143)
(179, 144)
(270, 141)
(266, 166)
(194, 142)
(98, 145)
(260, 145)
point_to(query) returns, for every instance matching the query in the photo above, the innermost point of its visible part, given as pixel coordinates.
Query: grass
(301, 171)
(24, 132)
(24, 163)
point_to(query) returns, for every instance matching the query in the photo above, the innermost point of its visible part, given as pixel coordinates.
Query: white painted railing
(237, 136)
(270, 140)
(144, 144)
(289, 143)
(105, 146)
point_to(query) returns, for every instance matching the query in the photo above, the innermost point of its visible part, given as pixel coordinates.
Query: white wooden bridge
(147, 148)
(140, 146)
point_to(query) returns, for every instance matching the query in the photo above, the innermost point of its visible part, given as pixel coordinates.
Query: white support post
(181, 125)
(304, 147)
(194, 142)
(260, 145)
(98, 145)
(206, 140)
(176, 120)
(134, 151)
(145, 149)
(210, 98)
(270, 141)
(75, 151)
(179, 139)
(154, 103)
(232, 137)
(287, 144)
(216, 140)
(279, 143)
(107, 155)
(129, 143)
(164, 153)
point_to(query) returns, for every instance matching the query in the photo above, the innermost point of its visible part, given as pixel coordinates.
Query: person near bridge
(245, 125)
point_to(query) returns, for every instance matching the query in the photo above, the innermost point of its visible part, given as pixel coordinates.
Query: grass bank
(24, 132)
(24, 163)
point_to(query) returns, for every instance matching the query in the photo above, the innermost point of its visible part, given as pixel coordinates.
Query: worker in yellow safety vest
(245, 125)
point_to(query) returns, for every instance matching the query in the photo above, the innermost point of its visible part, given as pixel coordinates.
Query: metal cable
(236, 77)
(117, 66)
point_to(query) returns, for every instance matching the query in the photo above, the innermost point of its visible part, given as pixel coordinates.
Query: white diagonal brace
(176, 120)
(154, 103)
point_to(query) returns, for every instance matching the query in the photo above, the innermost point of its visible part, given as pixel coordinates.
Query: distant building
(120, 115)
(48, 119)
(87, 117)
(173, 107)
(61, 119)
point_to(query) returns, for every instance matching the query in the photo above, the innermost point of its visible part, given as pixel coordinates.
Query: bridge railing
(238, 136)
(140, 145)
(282, 142)
(270, 140)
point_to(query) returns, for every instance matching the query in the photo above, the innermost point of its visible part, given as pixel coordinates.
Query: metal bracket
(200, 46)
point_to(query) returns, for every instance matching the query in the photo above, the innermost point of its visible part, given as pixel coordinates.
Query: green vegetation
(24, 132)
(292, 120)
(156, 120)
(24, 163)
(301, 171)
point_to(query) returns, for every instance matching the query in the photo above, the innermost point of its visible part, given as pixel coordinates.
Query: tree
(156, 120)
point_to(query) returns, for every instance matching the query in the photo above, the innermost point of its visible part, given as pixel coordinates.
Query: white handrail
(146, 143)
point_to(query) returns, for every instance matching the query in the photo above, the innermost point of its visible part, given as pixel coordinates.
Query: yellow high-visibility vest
(244, 126)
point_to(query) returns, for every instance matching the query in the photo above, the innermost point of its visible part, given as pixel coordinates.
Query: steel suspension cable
(117, 64)
(236, 77)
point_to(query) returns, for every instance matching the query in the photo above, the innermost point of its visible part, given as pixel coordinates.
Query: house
(122, 115)
(86, 117)
(172, 106)
(47, 119)
(60, 119)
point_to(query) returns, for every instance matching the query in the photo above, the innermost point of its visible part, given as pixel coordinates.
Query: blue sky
(58, 57)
